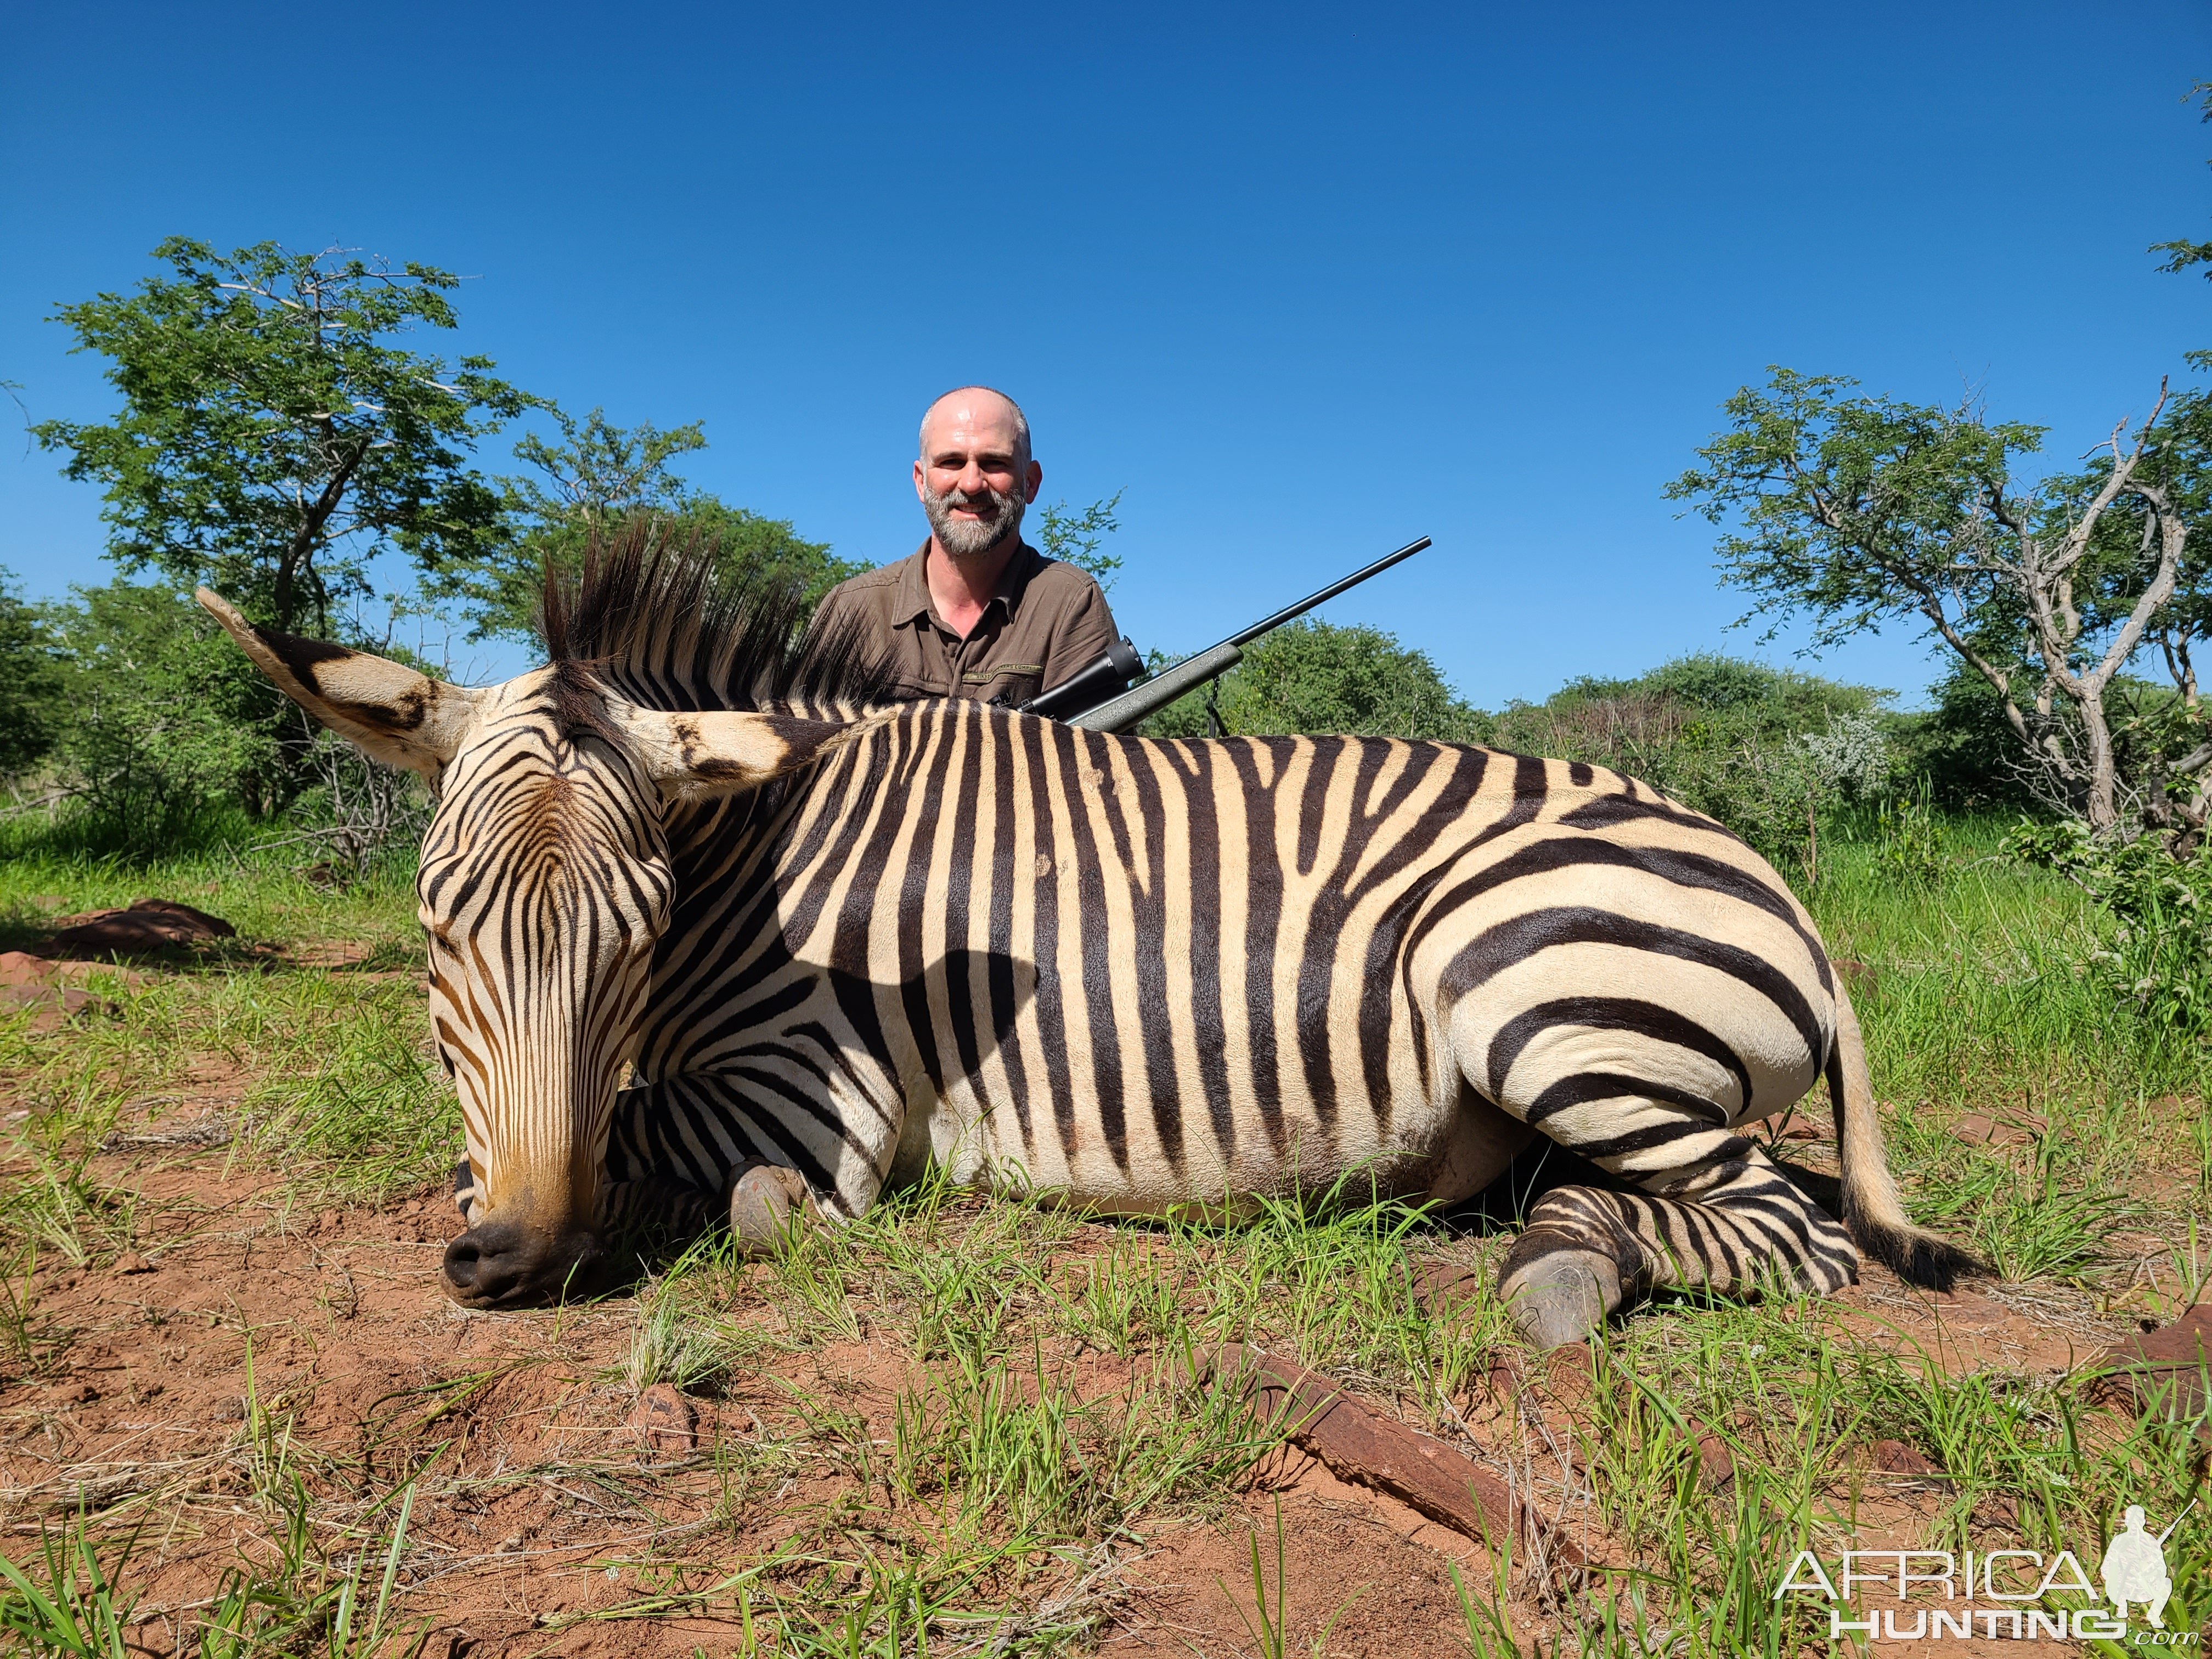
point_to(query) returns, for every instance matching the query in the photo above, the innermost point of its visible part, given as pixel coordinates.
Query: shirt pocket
(1013, 684)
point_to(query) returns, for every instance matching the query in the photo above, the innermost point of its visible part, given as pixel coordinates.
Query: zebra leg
(1729, 1223)
(708, 1135)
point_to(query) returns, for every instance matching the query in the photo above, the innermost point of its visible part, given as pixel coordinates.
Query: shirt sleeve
(1081, 640)
(835, 606)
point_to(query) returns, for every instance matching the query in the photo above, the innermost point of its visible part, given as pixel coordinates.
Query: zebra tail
(1872, 1209)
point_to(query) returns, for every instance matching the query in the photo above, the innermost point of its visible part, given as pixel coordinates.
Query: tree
(31, 700)
(162, 719)
(1314, 676)
(597, 476)
(1853, 510)
(272, 440)
(1075, 538)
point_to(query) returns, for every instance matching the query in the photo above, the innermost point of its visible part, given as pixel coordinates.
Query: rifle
(1094, 698)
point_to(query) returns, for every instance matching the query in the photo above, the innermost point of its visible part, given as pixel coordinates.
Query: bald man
(977, 612)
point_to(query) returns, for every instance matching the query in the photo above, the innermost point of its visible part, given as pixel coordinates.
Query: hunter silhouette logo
(1998, 1594)
(2134, 1567)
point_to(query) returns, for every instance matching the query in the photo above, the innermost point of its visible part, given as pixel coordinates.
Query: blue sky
(1304, 283)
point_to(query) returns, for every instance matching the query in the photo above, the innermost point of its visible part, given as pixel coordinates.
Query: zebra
(712, 921)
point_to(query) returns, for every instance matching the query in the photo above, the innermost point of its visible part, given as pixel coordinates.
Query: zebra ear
(695, 757)
(384, 708)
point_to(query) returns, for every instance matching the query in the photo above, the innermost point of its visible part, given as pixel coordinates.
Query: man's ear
(697, 756)
(385, 709)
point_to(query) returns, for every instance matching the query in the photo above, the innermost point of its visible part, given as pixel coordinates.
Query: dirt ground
(252, 1339)
(335, 1316)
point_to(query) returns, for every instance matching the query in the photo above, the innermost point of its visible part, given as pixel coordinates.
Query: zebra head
(545, 882)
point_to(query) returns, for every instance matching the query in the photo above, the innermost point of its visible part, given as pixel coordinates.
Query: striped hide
(844, 938)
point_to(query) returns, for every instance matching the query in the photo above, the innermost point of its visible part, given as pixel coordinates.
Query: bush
(2159, 960)
(31, 700)
(1312, 677)
(164, 725)
(1771, 753)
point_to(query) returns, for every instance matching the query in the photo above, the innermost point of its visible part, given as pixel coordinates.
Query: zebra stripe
(1138, 973)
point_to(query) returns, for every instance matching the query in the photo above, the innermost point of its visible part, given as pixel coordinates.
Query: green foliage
(163, 722)
(271, 440)
(1963, 747)
(596, 478)
(2183, 254)
(1909, 839)
(2160, 957)
(1852, 510)
(1315, 677)
(1075, 538)
(1767, 751)
(31, 701)
(66, 1605)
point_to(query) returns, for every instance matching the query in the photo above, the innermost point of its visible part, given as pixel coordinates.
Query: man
(977, 612)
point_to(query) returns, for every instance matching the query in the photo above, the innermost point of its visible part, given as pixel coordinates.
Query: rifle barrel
(1119, 714)
(1291, 613)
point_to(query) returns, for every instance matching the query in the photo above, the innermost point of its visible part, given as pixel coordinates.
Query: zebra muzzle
(504, 1264)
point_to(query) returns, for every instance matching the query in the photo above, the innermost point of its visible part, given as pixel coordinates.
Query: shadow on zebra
(718, 926)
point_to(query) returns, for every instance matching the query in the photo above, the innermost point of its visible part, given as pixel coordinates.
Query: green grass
(1044, 1421)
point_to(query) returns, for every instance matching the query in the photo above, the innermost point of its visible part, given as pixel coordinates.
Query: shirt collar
(914, 585)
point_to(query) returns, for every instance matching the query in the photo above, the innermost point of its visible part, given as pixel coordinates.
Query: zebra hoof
(1560, 1300)
(763, 1199)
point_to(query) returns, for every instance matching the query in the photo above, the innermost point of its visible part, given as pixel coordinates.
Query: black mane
(664, 625)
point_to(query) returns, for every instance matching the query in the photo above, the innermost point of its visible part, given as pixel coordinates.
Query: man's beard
(963, 539)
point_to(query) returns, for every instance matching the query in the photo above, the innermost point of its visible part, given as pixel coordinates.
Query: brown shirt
(1047, 622)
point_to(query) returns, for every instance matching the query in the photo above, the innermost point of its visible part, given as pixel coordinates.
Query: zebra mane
(666, 624)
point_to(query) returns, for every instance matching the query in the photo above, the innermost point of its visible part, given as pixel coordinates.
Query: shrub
(1313, 676)
(31, 701)
(1771, 753)
(165, 722)
(2160, 959)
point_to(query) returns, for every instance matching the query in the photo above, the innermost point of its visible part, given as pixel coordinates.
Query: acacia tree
(273, 439)
(596, 476)
(1851, 511)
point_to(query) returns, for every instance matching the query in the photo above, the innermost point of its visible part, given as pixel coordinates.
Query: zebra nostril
(464, 1257)
(506, 1264)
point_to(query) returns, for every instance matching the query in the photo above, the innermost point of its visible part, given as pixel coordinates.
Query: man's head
(974, 474)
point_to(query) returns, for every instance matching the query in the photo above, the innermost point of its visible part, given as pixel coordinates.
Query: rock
(1571, 1375)
(147, 927)
(22, 969)
(1895, 1457)
(1445, 1290)
(1716, 1463)
(1358, 1445)
(212, 927)
(663, 1421)
(2164, 1371)
(55, 1004)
